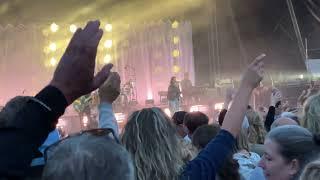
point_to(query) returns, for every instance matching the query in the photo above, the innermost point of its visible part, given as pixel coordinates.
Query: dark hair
(222, 114)
(171, 80)
(201, 137)
(193, 120)
(204, 134)
(178, 117)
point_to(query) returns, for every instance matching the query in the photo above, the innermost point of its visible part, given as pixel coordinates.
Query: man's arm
(73, 77)
(108, 93)
(34, 122)
(208, 162)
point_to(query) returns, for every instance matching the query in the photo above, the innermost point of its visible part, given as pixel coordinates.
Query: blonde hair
(311, 171)
(242, 140)
(311, 114)
(257, 131)
(151, 139)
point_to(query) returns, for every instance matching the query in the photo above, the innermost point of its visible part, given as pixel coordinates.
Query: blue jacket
(210, 159)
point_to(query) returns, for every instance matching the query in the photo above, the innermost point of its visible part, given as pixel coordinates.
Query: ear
(294, 167)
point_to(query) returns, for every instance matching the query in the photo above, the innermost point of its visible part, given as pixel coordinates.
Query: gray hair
(283, 121)
(88, 157)
(295, 142)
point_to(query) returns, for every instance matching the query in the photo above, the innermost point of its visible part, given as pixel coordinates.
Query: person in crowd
(174, 95)
(247, 160)
(152, 140)
(73, 77)
(204, 134)
(311, 171)
(283, 121)
(88, 155)
(305, 94)
(287, 150)
(178, 121)
(186, 88)
(201, 137)
(291, 115)
(192, 121)
(212, 157)
(274, 109)
(7, 117)
(311, 114)
(91, 155)
(257, 131)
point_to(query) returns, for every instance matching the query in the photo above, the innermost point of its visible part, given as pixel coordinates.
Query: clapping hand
(110, 89)
(74, 75)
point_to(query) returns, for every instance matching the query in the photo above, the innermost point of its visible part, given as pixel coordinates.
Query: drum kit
(128, 95)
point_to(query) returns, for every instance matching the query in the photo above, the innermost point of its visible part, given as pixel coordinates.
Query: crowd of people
(243, 145)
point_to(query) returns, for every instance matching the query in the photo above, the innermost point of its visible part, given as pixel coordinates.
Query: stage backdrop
(148, 54)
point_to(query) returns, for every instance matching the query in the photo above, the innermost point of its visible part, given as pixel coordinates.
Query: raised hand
(74, 75)
(254, 74)
(275, 97)
(110, 89)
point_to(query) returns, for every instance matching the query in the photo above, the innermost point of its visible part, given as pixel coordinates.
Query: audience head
(151, 139)
(88, 156)
(178, 121)
(291, 116)
(283, 121)
(193, 120)
(204, 134)
(311, 117)
(12, 110)
(257, 131)
(201, 137)
(287, 150)
(311, 171)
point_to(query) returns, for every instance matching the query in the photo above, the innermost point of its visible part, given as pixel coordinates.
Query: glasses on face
(101, 132)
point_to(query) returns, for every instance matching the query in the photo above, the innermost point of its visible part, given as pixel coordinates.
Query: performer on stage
(187, 89)
(82, 106)
(173, 95)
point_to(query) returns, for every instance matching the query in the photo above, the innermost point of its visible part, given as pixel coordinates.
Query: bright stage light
(176, 40)
(54, 27)
(53, 61)
(108, 27)
(167, 112)
(201, 108)
(53, 47)
(120, 117)
(108, 43)
(301, 76)
(175, 25)
(85, 121)
(218, 106)
(175, 53)
(107, 59)
(176, 69)
(73, 28)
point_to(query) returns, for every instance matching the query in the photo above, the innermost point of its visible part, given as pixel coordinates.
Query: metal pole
(296, 29)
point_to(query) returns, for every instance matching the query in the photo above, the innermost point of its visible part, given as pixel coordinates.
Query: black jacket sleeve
(19, 142)
(270, 118)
